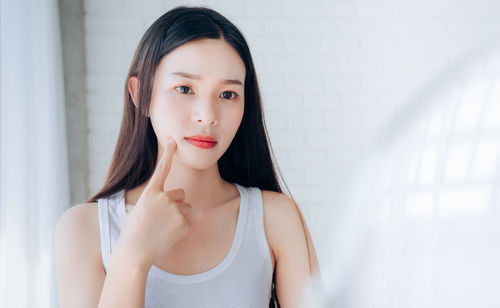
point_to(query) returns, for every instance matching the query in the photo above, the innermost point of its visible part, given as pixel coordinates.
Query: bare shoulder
(80, 221)
(80, 215)
(281, 220)
(276, 202)
(80, 272)
(291, 243)
(83, 210)
(279, 206)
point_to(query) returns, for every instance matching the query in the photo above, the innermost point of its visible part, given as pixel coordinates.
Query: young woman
(191, 213)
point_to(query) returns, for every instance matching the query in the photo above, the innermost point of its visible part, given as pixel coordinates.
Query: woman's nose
(205, 113)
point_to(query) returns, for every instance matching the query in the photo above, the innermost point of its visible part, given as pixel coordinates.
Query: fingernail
(170, 140)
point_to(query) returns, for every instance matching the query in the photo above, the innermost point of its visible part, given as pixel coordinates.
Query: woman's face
(198, 90)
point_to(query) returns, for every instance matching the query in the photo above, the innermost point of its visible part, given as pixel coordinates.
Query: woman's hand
(156, 222)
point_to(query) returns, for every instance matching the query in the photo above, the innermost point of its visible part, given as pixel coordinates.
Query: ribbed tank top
(242, 279)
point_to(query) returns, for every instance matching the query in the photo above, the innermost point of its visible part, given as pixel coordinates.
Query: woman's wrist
(129, 261)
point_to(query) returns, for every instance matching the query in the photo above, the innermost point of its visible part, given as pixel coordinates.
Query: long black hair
(247, 161)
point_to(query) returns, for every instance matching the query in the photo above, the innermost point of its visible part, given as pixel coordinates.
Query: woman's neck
(203, 188)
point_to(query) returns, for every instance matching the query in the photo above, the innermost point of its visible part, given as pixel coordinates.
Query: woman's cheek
(164, 122)
(175, 104)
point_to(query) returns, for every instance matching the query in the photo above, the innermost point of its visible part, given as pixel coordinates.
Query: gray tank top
(242, 279)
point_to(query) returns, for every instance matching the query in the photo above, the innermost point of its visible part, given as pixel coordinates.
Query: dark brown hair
(247, 161)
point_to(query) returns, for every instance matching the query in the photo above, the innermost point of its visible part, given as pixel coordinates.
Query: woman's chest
(205, 245)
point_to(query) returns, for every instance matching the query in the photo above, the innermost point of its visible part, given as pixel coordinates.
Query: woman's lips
(201, 144)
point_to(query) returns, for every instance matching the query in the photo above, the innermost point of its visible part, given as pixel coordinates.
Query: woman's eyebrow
(197, 77)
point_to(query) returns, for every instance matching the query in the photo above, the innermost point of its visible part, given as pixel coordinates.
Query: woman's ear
(132, 88)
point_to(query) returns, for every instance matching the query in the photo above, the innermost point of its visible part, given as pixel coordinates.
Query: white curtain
(34, 187)
(421, 227)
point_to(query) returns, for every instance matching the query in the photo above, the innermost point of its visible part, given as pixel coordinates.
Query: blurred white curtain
(421, 228)
(34, 187)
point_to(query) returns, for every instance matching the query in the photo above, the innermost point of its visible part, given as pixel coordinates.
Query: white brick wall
(331, 73)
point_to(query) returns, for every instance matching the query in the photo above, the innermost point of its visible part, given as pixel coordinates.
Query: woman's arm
(81, 278)
(288, 242)
(124, 285)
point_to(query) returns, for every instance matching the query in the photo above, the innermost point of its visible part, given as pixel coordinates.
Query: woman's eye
(229, 95)
(184, 89)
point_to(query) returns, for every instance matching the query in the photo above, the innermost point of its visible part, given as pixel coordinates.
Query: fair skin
(208, 101)
(182, 106)
(191, 96)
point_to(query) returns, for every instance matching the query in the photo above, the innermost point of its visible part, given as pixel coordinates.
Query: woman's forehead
(205, 58)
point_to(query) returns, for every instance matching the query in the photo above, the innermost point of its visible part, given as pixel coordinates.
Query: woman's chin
(198, 161)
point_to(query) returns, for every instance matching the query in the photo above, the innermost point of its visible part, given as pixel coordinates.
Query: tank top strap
(243, 279)
(257, 207)
(110, 221)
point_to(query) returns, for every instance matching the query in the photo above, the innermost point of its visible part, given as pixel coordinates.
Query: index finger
(163, 167)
